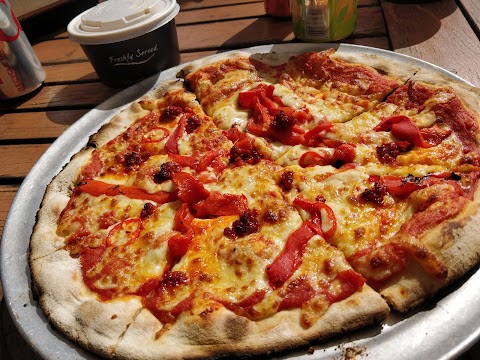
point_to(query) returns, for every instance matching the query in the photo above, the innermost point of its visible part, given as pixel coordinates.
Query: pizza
(259, 203)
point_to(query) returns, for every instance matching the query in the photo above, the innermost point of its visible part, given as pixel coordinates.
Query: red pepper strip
(329, 227)
(201, 161)
(129, 228)
(350, 281)
(301, 115)
(246, 98)
(401, 187)
(190, 189)
(211, 158)
(97, 188)
(288, 136)
(234, 134)
(285, 264)
(184, 160)
(171, 146)
(221, 205)
(316, 209)
(179, 244)
(153, 134)
(311, 158)
(265, 107)
(299, 291)
(443, 177)
(261, 116)
(271, 105)
(403, 128)
(314, 136)
(243, 306)
(170, 316)
(344, 154)
(183, 218)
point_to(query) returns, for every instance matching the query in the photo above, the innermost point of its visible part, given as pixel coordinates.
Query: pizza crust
(74, 309)
(222, 332)
(455, 243)
(401, 71)
(125, 118)
(277, 56)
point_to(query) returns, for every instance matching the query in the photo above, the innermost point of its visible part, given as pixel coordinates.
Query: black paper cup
(122, 57)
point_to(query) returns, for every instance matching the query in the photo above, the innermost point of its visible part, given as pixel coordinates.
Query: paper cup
(128, 40)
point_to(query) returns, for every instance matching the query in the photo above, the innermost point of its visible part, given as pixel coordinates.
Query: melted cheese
(359, 224)
(143, 259)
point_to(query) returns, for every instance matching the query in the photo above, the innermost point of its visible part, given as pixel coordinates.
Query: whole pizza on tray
(259, 203)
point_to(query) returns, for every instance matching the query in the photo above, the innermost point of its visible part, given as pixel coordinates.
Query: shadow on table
(264, 30)
(413, 23)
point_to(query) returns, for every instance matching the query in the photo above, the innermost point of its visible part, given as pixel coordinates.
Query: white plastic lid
(117, 20)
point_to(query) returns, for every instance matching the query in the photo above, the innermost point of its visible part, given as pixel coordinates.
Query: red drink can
(20, 69)
(277, 8)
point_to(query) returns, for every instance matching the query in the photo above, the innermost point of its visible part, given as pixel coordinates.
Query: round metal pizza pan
(440, 329)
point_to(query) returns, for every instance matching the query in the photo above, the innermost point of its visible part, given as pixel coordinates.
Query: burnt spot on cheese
(166, 171)
(270, 216)
(170, 113)
(134, 159)
(248, 223)
(148, 210)
(282, 121)
(376, 194)
(193, 122)
(286, 180)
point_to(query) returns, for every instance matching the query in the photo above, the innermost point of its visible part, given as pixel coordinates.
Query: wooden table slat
(195, 4)
(17, 160)
(425, 31)
(7, 194)
(223, 13)
(86, 95)
(37, 125)
(472, 10)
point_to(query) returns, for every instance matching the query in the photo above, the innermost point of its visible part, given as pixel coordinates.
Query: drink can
(277, 8)
(20, 69)
(323, 20)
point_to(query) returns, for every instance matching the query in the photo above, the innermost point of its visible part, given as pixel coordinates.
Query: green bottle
(323, 20)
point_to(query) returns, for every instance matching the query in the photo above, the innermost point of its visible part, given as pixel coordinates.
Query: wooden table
(443, 32)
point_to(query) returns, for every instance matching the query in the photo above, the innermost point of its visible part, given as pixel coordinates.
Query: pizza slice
(337, 86)
(385, 220)
(217, 82)
(418, 124)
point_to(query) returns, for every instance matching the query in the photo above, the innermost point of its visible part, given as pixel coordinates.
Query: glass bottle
(323, 20)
